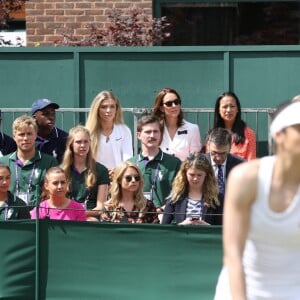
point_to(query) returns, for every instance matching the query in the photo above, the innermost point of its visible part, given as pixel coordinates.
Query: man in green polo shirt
(158, 168)
(28, 165)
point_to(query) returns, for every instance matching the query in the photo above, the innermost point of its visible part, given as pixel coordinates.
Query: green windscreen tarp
(17, 260)
(109, 261)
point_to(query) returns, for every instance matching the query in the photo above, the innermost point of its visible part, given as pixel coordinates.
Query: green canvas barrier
(17, 263)
(108, 261)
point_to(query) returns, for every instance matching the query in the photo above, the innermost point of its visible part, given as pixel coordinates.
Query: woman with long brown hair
(194, 196)
(180, 137)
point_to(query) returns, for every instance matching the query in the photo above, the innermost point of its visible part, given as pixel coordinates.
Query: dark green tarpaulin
(109, 261)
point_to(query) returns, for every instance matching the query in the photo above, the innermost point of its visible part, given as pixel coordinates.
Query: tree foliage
(7, 7)
(129, 27)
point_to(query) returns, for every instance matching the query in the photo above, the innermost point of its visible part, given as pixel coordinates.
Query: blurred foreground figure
(261, 233)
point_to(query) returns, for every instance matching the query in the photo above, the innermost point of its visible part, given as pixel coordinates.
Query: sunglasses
(170, 103)
(129, 178)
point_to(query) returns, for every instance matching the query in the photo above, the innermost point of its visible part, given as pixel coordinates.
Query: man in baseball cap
(40, 104)
(50, 139)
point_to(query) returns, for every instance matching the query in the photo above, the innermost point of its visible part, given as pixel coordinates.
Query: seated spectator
(218, 145)
(158, 168)
(180, 137)
(127, 202)
(7, 144)
(27, 165)
(194, 196)
(228, 115)
(11, 208)
(88, 179)
(56, 205)
(111, 138)
(50, 139)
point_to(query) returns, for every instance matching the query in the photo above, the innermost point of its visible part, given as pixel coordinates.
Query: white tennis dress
(272, 252)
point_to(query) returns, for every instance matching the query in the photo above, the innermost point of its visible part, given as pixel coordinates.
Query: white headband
(287, 117)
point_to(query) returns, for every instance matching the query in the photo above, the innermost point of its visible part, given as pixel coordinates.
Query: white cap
(289, 116)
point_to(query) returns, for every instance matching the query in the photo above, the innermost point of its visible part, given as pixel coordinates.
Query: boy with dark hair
(158, 168)
(50, 139)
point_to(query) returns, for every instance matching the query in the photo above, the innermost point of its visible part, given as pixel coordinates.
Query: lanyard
(18, 181)
(7, 211)
(154, 177)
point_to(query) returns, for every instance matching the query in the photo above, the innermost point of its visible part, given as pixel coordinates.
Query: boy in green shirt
(158, 168)
(28, 165)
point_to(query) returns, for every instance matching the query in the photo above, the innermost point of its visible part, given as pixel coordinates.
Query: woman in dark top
(88, 179)
(194, 196)
(11, 208)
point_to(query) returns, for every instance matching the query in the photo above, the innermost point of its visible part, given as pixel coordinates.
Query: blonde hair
(180, 185)
(56, 170)
(116, 188)
(93, 122)
(68, 159)
(23, 121)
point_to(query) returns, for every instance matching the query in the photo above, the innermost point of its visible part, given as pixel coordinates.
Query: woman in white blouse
(180, 137)
(111, 139)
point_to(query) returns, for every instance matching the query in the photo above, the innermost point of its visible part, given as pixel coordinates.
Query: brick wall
(46, 20)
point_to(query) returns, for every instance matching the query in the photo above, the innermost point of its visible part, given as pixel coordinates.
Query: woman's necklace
(107, 134)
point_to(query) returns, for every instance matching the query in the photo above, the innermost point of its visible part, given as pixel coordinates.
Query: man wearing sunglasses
(158, 168)
(218, 145)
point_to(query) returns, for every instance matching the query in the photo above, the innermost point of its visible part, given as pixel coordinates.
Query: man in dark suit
(218, 144)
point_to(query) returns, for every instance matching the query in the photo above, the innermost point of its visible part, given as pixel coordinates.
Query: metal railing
(257, 118)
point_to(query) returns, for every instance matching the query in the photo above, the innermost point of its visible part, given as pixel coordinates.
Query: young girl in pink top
(57, 206)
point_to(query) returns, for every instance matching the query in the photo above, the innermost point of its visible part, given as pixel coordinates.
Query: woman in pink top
(228, 115)
(57, 206)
